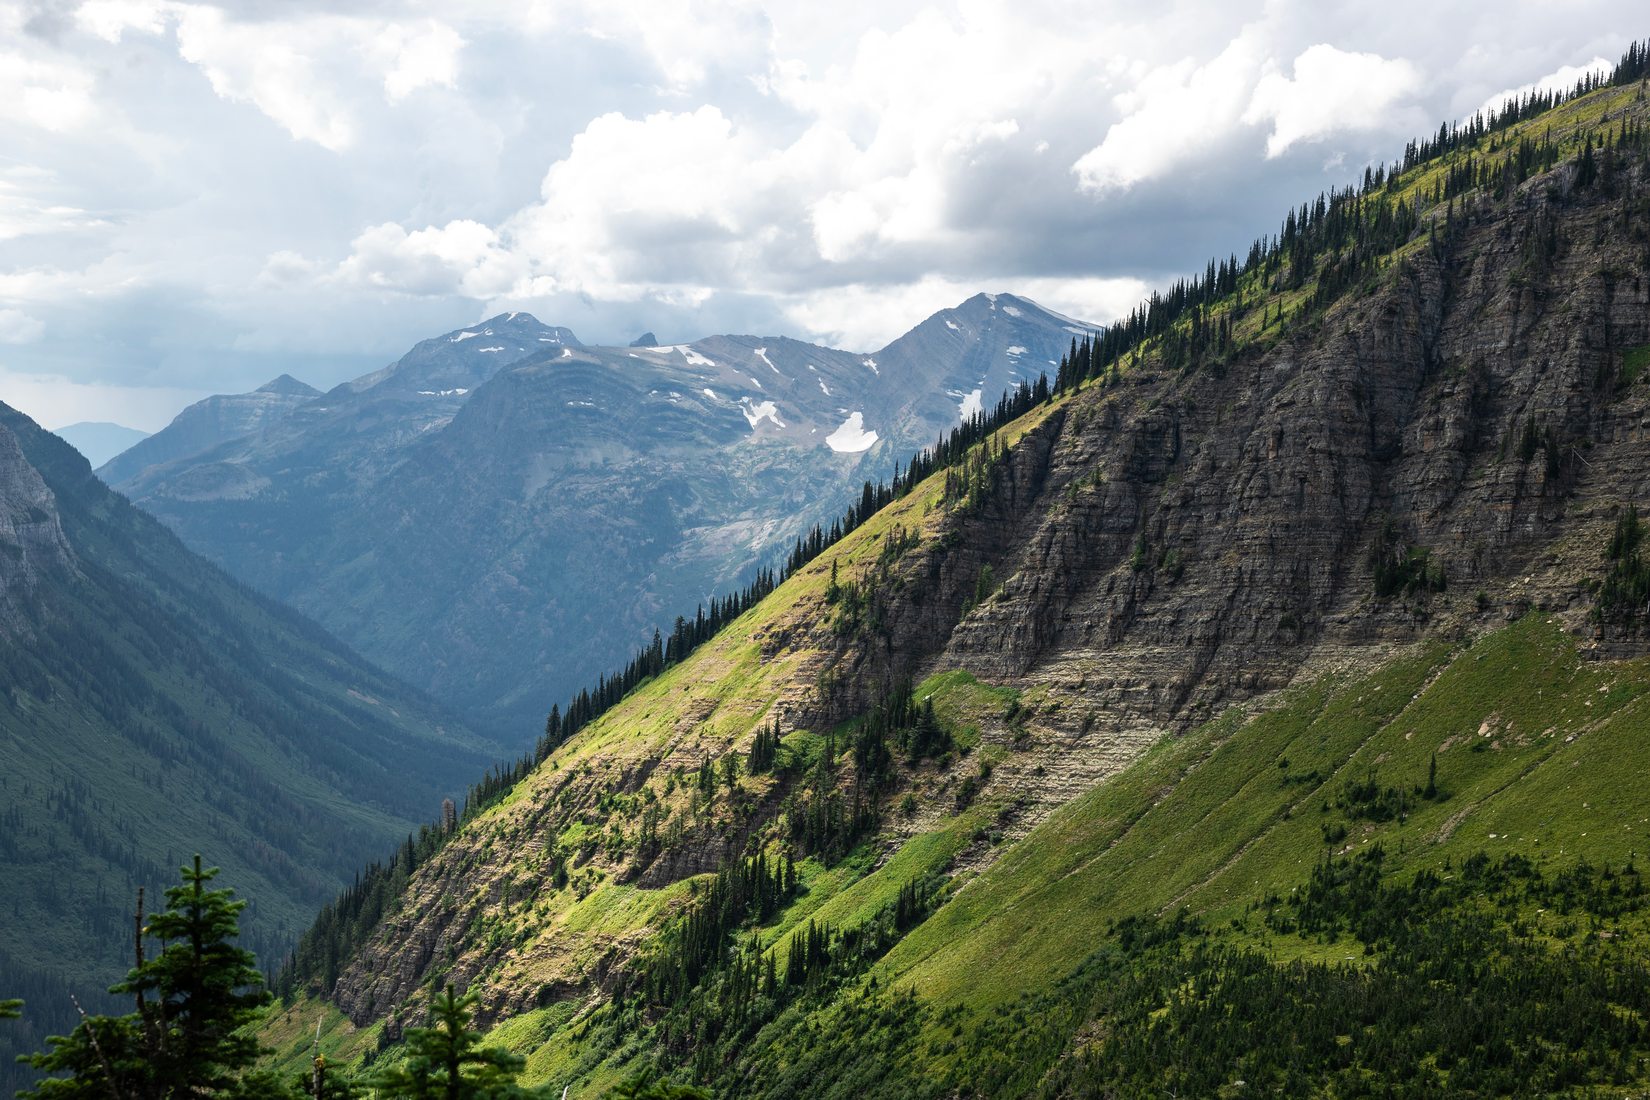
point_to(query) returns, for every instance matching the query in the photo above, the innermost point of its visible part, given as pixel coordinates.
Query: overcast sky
(196, 197)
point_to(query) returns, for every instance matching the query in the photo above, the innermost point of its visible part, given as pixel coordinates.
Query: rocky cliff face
(1175, 543)
(31, 539)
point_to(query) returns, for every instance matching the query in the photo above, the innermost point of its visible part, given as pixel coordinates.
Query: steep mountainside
(206, 424)
(505, 513)
(151, 707)
(1354, 518)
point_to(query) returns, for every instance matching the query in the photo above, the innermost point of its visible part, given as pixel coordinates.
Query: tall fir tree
(193, 999)
(446, 1061)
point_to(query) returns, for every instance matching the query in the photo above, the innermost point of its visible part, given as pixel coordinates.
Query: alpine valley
(1257, 705)
(505, 513)
(153, 706)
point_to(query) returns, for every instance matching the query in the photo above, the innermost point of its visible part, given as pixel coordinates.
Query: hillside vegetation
(1243, 716)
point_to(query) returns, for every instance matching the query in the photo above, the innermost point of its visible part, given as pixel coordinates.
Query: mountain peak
(288, 386)
(515, 317)
(645, 340)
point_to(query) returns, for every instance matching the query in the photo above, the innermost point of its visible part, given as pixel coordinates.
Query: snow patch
(548, 340)
(758, 411)
(581, 404)
(1074, 330)
(822, 388)
(442, 393)
(567, 353)
(952, 325)
(1012, 311)
(463, 336)
(872, 363)
(710, 393)
(757, 381)
(495, 347)
(970, 404)
(762, 354)
(851, 437)
(1016, 349)
(695, 359)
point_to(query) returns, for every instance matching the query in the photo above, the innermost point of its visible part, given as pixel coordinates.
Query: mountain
(206, 424)
(100, 441)
(1261, 712)
(505, 513)
(150, 708)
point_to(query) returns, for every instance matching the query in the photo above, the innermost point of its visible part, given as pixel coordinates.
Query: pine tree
(193, 1000)
(639, 1088)
(447, 1061)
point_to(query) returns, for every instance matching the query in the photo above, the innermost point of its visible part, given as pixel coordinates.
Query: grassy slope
(1537, 753)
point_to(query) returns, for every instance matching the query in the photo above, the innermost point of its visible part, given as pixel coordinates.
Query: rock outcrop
(31, 540)
(1172, 544)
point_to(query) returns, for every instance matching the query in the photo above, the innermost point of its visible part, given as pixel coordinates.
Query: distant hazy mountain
(152, 707)
(205, 424)
(505, 513)
(99, 440)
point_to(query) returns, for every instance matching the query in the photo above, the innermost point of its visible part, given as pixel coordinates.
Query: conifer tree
(446, 1061)
(193, 1000)
(639, 1088)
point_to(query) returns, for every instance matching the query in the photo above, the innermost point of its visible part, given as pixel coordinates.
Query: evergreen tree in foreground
(192, 1000)
(639, 1088)
(447, 1061)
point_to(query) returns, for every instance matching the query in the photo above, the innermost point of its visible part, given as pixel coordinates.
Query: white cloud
(419, 57)
(1562, 80)
(672, 197)
(270, 67)
(17, 327)
(867, 316)
(1170, 114)
(300, 72)
(693, 165)
(462, 257)
(686, 40)
(1331, 91)
(110, 19)
(51, 95)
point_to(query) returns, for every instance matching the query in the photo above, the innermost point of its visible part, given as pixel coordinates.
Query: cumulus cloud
(866, 317)
(270, 68)
(1168, 115)
(1331, 90)
(51, 95)
(209, 189)
(1561, 80)
(462, 257)
(419, 57)
(111, 19)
